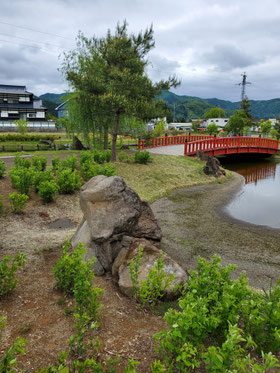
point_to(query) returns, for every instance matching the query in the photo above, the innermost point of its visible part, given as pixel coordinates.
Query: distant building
(220, 122)
(62, 110)
(180, 126)
(17, 103)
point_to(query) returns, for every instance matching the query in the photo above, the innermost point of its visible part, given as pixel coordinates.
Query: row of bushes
(16, 137)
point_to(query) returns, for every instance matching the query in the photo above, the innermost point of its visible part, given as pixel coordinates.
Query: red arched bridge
(214, 145)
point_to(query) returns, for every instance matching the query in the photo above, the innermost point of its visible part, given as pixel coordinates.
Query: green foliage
(22, 179)
(18, 202)
(123, 157)
(274, 133)
(86, 156)
(108, 155)
(22, 162)
(131, 366)
(47, 190)
(265, 127)
(90, 169)
(74, 275)
(214, 305)
(215, 113)
(212, 128)
(151, 290)
(142, 157)
(195, 126)
(159, 128)
(68, 181)
(55, 163)
(21, 125)
(40, 177)
(237, 122)
(39, 163)
(2, 168)
(68, 162)
(122, 88)
(246, 130)
(16, 137)
(8, 268)
(109, 170)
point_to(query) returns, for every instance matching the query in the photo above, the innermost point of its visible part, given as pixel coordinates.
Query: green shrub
(74, 275)
(21, 178)
(18, 202)
(9, 360)
(69, 162)
(8, 268)
(16, 137)
(55, 163)
(47, 190)
(151, 290)
(142, 157)
(40, 177)
(2, 168)
(90, 169)
(99, 156)
(108, 155)
(109, 170)
(86, 156)
(214, 306)
(68, 181)
(39, 163)
(123, 156)
(22, 162)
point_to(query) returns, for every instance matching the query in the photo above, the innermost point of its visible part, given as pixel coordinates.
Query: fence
(169, 140)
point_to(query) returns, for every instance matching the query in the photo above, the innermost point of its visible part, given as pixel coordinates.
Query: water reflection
(259, 200)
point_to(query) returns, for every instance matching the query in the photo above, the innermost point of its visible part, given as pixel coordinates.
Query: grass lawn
(164, 174)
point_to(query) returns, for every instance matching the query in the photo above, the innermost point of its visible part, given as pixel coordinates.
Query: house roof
(16, 89)
(61, 105)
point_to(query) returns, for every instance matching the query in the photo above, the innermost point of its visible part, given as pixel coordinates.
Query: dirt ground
(34, 310)
(193, 223)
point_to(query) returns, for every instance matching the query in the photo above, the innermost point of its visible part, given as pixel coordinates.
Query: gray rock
(213, 167)
(109, 206)
(121, 274)
(147, 226)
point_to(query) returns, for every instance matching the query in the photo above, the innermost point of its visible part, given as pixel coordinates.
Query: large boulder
(213, 167)
(109, 206)
(111, 213)
(147, 226)
(151, 253)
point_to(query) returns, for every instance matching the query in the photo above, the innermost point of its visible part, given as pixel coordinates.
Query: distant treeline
(188, 107)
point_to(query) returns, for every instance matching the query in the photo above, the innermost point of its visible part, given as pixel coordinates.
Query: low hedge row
(28, 137)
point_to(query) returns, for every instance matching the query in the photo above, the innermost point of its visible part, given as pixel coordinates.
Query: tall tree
(237, 122)
(109, 76)
(215, 112)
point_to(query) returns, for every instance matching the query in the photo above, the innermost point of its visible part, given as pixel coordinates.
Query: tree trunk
(105, 138)
(115, 135)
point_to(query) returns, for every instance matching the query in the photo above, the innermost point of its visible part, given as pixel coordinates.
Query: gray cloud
(206, 43)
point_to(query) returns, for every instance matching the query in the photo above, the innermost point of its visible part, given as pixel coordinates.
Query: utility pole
(243, 85)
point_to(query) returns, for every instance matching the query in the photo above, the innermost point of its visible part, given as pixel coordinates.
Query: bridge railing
(228, 142)
(169, 140)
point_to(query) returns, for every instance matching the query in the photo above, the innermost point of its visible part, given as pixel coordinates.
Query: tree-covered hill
(189, 107)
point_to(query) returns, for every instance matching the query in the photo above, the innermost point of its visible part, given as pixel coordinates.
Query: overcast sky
(208, 44)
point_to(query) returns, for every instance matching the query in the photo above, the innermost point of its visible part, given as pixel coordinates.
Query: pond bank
(194, 223)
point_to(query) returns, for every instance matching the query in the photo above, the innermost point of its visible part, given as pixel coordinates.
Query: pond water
(258, 202)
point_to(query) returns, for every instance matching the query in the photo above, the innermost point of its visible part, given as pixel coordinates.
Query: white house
(220, 122)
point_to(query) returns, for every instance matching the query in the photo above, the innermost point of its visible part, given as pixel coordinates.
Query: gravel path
(168, 150)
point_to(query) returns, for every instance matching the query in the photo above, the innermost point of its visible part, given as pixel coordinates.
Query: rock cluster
(115, 223)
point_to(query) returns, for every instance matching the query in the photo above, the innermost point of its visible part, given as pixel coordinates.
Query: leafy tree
(212, 128)
(265, 127)
(109, 77)
(196, 125)
(215, 113)
(274, 133)
(245, 105)
(21, 126)
(277, 126)
(237, 122)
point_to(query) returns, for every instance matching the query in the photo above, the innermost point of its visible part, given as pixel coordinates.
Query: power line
(243, 85)
(29, 46)
(30, 29)
(34, 41)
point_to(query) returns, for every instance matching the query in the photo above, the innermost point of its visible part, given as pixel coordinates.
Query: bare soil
(34, 310)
